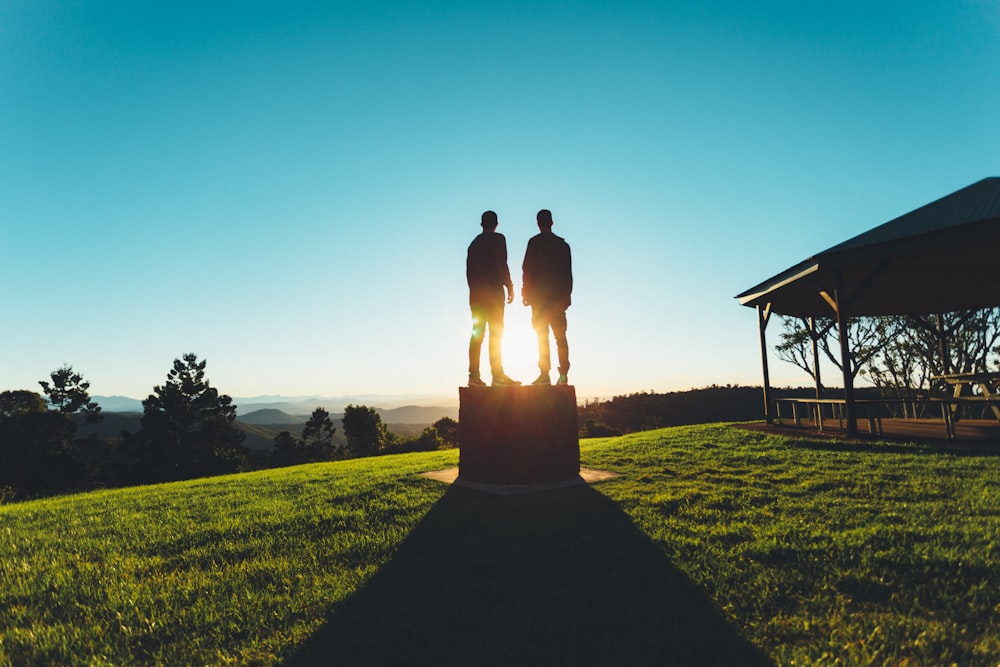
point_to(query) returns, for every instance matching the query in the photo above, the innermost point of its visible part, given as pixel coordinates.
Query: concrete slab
(586, 476)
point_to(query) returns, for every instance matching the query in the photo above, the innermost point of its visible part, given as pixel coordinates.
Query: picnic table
(837, 408)
(872, 410)
(972, 389)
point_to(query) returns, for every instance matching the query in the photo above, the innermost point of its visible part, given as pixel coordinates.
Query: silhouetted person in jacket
(546, 287)
(487, 273)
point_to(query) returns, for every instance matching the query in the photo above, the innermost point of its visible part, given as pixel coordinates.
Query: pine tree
(188, 427)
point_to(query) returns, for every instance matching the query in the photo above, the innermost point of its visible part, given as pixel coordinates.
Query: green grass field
(716, 545)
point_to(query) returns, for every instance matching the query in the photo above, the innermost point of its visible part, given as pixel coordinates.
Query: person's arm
(569, 276)
(527, 276)
(508, 283)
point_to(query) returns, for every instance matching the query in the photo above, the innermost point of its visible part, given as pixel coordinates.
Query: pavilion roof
(941, 257)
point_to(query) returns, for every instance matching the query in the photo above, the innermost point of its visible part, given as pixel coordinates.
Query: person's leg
(476, 342)
(562, 346)
(494, 316)
(540, 322)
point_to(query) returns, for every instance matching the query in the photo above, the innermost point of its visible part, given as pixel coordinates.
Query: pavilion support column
(943, 345)
(814, 337)
(763, 315)
(845, 360)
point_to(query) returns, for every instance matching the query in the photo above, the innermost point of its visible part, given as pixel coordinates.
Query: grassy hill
(717, 545)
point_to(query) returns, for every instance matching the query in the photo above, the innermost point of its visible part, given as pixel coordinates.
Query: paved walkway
(586, 476)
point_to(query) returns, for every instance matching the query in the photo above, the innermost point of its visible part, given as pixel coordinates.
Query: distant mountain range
(260, 426)
(408, 414)
(118, 403)
(413, 407)
(269, 416)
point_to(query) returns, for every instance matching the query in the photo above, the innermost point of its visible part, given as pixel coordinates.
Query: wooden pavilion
(939, 258)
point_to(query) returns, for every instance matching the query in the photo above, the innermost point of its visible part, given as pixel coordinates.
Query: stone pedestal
(518, 435)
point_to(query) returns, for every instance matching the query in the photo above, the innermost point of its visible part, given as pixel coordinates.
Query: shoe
(562, 379)
(543, 379)
(504, 381)
(476, 381)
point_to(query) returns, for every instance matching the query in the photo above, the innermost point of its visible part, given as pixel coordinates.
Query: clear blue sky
(288, 189)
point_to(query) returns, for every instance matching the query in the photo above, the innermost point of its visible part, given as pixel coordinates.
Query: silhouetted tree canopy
(36, 447)
(68, 393)
(20, 402)
(317, 436)
(188, 427)
(447, 430)
(427, 440)
(899, 354)
(648, 410)
(287, 449)
(316, 443)
(364, 430)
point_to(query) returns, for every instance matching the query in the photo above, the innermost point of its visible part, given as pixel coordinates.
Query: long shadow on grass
(558, 578)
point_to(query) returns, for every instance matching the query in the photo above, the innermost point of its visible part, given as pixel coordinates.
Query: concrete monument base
(518, 435)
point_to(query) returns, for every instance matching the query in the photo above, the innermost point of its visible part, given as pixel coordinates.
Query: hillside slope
(716, 545)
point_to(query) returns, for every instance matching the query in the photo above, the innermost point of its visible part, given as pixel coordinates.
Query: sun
(520, 345)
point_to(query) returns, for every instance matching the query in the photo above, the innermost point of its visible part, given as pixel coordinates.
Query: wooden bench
(949, 407)
(837, 408)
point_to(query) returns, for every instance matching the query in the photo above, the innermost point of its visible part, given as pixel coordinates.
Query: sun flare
(520, 345)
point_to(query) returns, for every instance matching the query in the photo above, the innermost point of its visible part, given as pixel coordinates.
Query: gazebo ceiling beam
(830, 300)
(846, 301)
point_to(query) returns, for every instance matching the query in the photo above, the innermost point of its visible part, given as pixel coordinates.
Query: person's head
(544, 219)
(489, 222)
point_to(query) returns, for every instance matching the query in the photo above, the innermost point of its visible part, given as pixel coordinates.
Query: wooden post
(813, 336)
(763, 314)
(845, 360)
(943, 346)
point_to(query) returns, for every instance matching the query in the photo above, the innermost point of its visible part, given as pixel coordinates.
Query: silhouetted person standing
(546, 287)
(487, 273)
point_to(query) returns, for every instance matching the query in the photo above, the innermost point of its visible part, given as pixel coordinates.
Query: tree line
(187, 430)
(643, 411)
(901, 355)
(897, 356)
